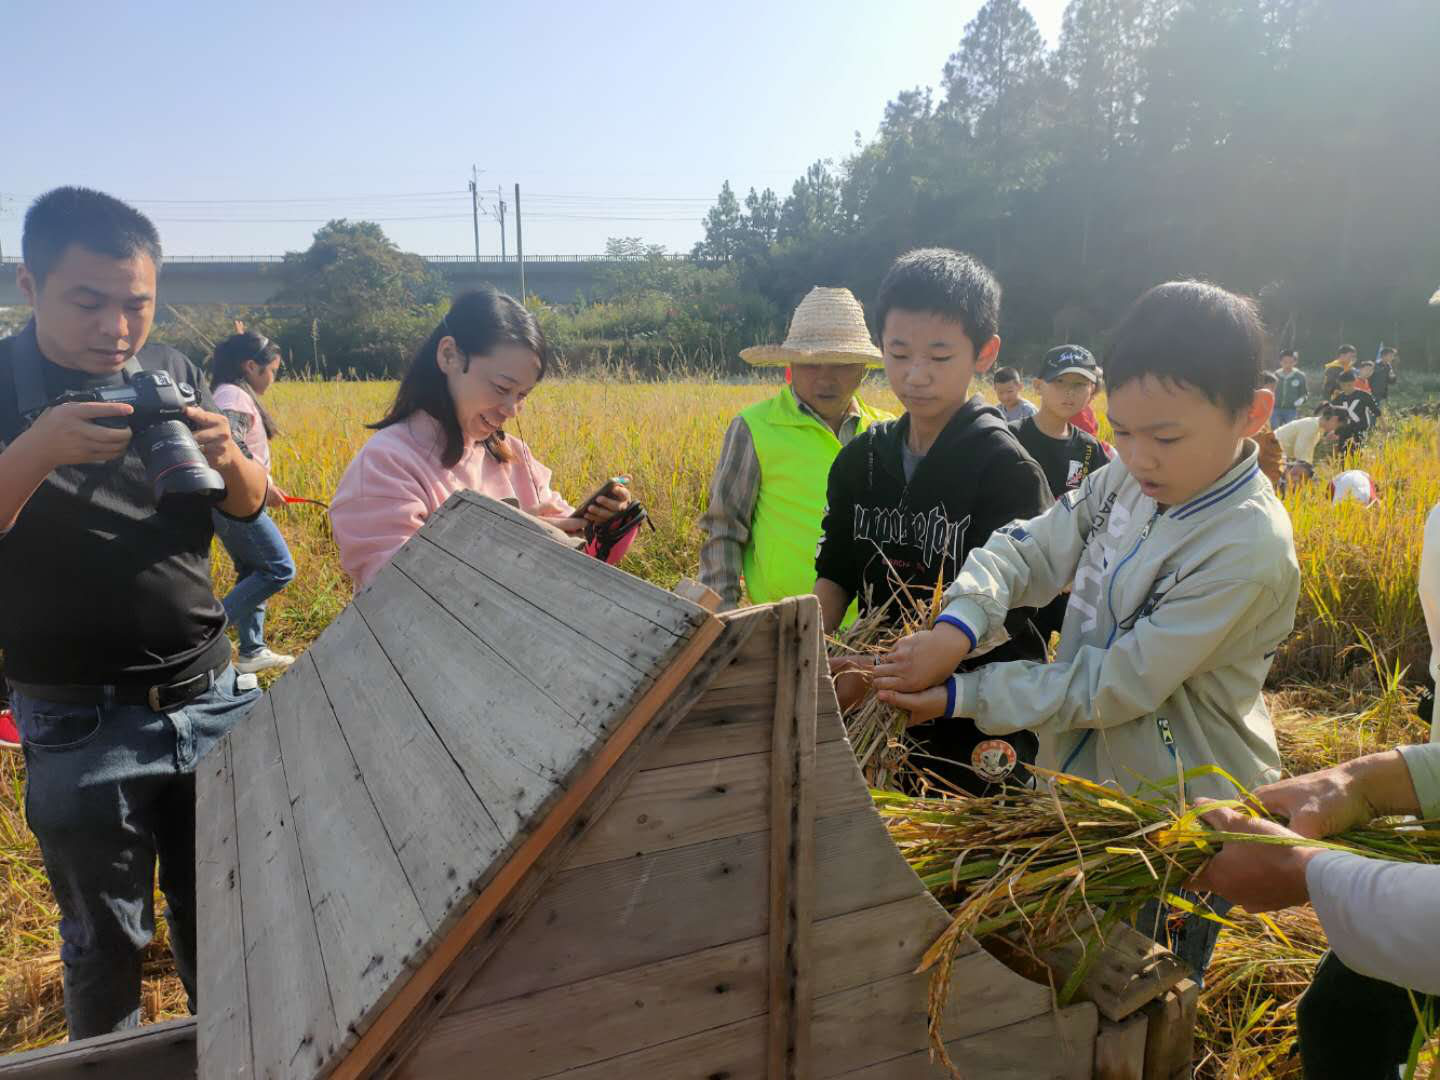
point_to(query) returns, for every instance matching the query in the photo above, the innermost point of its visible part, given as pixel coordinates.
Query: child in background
(1068, 455)
(1363, 371)
(243, 369)
(1354, 485)
(1385, 376)
(1184, 581)
(1066, 385)
(1344, 361)
(1291, 389)
(1299, 438)
(1358, 412)
(1013, 407)
(910, 498)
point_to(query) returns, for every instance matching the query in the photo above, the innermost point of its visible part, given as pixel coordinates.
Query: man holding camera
(114, 641)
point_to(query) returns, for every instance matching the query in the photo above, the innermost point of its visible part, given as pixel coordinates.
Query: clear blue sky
(600, 112)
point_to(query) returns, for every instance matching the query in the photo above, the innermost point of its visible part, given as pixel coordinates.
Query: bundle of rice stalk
(877, 732)
(1042, 864)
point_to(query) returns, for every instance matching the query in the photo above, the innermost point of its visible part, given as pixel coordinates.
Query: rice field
(1339, 687)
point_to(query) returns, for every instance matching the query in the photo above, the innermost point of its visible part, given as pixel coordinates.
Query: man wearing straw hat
(768, 492)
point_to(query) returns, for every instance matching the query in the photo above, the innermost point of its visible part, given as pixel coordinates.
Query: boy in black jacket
(909, 498)
(1358, 412)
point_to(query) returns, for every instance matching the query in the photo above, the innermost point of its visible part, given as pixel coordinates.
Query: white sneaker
(264, 660)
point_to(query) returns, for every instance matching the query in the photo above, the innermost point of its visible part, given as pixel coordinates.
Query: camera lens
(179, 474)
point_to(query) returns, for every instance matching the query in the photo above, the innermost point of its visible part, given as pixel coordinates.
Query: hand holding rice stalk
(877, 731)
(1038, 863)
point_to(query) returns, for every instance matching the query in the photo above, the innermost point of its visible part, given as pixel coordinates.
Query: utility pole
(519, 244)
(500, 209)
(475, 207)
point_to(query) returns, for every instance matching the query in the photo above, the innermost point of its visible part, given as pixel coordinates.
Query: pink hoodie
(396, 482)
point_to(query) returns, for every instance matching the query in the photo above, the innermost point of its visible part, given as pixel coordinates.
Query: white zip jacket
(1171, 628)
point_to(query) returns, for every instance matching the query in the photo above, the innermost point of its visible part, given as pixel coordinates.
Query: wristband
(951, 688)
(951, 620)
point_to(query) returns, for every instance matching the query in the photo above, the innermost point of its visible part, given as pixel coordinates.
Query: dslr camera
(174, 464)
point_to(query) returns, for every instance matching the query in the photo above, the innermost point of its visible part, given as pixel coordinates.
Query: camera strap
(31, 398)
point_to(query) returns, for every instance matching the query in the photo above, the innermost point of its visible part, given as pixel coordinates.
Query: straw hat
(828, 328)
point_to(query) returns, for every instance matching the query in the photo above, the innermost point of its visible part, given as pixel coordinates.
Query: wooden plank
(686, 804)
(444, 838)
(510, 740)
(710, 732)
(792, 841)
(736, 1051)
(888, 1018)
(630, 1010)
(513, 888)
(493, 538)
(698, 594)
(366, 915)
(582, 677)
(1131, 971)
(1120, 1048)
(1045, 1047)
(629, 912)
(147, 1053)
(224, 1032)
(1170, 1040)
(292, 1021)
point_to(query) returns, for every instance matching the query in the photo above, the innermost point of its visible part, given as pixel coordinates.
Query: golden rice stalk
(1037, 862)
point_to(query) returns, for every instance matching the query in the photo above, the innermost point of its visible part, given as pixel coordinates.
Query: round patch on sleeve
(993, 760)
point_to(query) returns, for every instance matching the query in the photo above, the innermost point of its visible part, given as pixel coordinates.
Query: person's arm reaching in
(1379, 916)
(1023, 564)
(734, 489)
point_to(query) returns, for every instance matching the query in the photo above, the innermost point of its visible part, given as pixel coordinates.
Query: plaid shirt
(734, 490)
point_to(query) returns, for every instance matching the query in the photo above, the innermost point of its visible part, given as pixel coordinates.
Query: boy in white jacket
(1183, 570)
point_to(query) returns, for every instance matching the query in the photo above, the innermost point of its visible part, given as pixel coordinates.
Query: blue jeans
(1280, 417)
(109, 791)
(263, 567)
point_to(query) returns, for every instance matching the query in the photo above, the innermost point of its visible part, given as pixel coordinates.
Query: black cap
(1064, 359)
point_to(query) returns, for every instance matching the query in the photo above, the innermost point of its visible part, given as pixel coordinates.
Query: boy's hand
(68, 435)
(922, 660)
(852, 676)
(923, 707)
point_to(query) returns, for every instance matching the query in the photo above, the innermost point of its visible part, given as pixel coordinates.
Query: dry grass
(1358, 568)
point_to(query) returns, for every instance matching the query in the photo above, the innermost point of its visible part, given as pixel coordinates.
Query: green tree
(724, 228)
(366, 303)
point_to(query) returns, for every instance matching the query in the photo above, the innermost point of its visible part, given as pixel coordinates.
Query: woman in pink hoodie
(445, 432)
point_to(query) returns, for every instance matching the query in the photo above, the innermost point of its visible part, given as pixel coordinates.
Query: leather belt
(159, 698)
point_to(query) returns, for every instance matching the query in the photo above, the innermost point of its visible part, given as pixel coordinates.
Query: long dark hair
(227, 365)
(478, 321)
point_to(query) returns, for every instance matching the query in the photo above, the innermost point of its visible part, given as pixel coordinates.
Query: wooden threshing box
(517, 814)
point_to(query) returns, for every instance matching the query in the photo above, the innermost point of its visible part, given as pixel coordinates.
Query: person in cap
(768, 491)
(1066, 385)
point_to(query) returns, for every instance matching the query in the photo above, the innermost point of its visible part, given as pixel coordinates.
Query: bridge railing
(9, 260)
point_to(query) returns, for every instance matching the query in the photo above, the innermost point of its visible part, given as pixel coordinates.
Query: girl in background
(241, 371)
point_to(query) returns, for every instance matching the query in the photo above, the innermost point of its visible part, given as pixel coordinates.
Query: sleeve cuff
(959, 624)
(968, 617)
(1423, 761)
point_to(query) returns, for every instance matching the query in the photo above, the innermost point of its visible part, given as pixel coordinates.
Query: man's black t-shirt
(1066, 462)
(97, 587)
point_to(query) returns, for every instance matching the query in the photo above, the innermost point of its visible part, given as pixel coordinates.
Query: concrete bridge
(254, 280)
